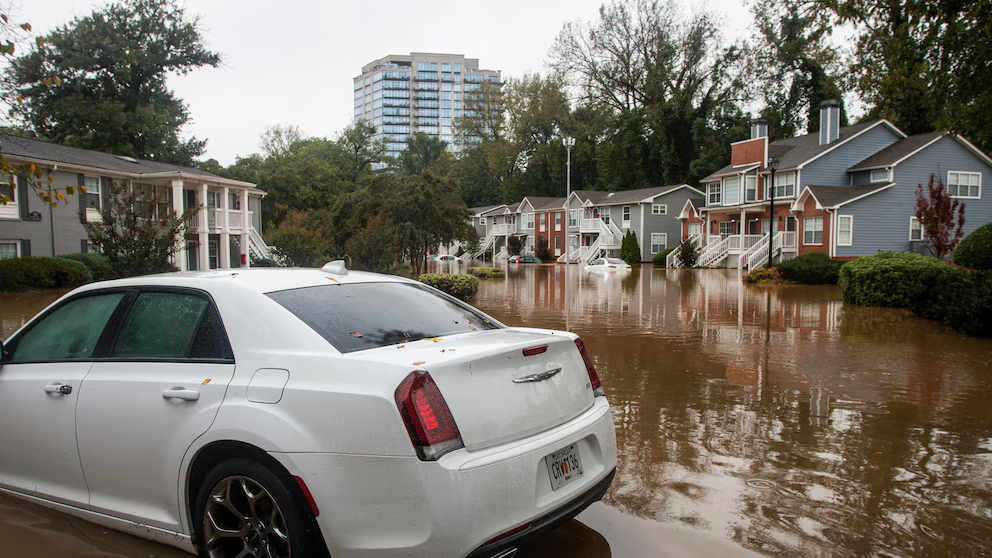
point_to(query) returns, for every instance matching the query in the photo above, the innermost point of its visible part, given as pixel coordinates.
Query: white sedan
(608, 265)
(279, 412)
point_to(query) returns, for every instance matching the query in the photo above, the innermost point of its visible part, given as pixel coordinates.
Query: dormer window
(881, 175)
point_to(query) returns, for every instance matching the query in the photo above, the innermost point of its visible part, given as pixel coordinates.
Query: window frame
(543, 221)
(726, 197)
(699, 227)
(887, 178)
(913, 220)
(750, 186)
(947, 184)
(625, 216)
(557, 220)
(663, 244)
(720, 226)
(11, 210)
(850, 231)
(17, 247)
(714, 193)
(659, 209)
(784, 186)
(93, 213)
(813, 230)
(573, 218)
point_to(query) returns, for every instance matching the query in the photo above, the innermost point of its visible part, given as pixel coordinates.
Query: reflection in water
(780, 419)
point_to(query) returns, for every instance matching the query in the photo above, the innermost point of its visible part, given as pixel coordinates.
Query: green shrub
(812, 269)
(975, 251)
(35, 272)
(487, 272)
(967, 303)
(689, 254)
(630, 250)
(459, 285)
(763, 276)
(403, 269)
(263, 262)
(97, 263)
(661, 258)
(895, 279)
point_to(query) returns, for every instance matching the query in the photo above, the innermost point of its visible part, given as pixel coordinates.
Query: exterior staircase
(674, 258)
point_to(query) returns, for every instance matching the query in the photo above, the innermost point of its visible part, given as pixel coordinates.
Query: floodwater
(775, 422)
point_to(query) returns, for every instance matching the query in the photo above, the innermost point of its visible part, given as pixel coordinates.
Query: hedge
(459, 285)
(975, 251)
(97, 263)
(763, 275)
(927, 286)
(661, 257)
(487, 272)
(37, 272)
(811, 269)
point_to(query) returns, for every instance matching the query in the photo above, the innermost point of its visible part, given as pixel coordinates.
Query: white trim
(887, 178)
(947, 183)
(17, 246)
(625, 223)
(692, 189)
(820, 243)
(688, 204)
(850, 238)
(893, 165)
(913, 218)
(839, 142)
(11, 209)
(651, 245)
(662, 206)
(797, 207)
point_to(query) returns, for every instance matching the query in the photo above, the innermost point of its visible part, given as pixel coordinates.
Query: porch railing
(674, 258)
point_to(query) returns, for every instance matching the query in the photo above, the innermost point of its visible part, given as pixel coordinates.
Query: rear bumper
(547, 523)
(374, 506)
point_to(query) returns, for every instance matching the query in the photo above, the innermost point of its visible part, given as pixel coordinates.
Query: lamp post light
(568, 142)
(772, 166)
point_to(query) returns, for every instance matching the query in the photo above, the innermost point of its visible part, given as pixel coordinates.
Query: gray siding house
(844, 191)
(224, 233)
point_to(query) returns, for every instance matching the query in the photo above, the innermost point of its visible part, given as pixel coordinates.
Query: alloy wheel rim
(242, 520)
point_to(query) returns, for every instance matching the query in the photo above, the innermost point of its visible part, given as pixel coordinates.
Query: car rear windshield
(615, 261)
(358, 316)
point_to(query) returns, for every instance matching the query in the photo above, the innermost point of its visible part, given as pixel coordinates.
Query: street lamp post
(568, 142)
(772, 166)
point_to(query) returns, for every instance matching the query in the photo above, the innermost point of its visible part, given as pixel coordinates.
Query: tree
(112, 66)
(421, 150)
(630, 250)
(542, 250)
(140, 231)
(941, 216)
(375, 247)
(923, 65)
(304, 177)
(515, 245)
(359, 149)
(796, 66)
(299, 241)
(277, 139)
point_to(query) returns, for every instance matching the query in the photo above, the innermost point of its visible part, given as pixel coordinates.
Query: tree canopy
(112, 67)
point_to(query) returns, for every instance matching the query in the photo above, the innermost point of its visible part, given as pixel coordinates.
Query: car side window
(70, 332)
(160, 325)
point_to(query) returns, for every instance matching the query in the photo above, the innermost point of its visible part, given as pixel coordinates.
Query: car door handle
(181, 393)
(58, 389)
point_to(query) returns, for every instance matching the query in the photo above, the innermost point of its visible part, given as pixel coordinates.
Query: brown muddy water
(773, 422)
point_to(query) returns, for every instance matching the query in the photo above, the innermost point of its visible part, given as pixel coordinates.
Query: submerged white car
(282, 412)
(610, 265)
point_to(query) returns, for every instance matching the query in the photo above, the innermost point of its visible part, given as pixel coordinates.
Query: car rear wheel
(246, 510)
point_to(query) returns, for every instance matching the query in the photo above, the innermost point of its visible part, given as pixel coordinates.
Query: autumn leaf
(26, 27)
(20, 100)
(40, 41)
(4, 18)
(70, 190)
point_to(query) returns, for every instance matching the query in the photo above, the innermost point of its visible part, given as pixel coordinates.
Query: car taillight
(597, 387)
(427, 418)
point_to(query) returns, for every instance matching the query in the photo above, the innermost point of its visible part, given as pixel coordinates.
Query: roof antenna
(336, 267)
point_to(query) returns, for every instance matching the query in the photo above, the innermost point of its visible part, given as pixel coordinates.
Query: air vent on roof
(126, 158)
(611, 194)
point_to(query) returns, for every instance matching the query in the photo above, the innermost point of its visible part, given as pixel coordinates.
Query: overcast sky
(293, 61)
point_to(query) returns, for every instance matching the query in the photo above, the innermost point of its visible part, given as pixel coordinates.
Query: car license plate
(564, 466)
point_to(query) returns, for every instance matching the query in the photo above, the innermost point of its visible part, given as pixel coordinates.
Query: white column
(225, 235)
(204, 251)
(177, 206)
(245, 248)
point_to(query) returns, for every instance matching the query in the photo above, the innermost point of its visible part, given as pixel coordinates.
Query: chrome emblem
(537, 377)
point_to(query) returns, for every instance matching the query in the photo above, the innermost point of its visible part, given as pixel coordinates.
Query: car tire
(242, 504)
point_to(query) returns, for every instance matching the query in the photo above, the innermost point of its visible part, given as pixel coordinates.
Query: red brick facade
(810, 210)
(552, 230)
(751, 151)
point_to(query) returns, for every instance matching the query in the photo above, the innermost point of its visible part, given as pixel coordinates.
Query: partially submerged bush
(975, 251)
(892, 279)
(689, 254)
(403, 269)
(98, 265)
(763, 276)
(459, 285)
(36, 272)
(661, 258)
(968, 303)
(812, 269)
(487, 272)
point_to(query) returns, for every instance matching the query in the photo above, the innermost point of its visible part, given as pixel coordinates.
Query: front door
(142, 407)
(191, 256)
(39, 390)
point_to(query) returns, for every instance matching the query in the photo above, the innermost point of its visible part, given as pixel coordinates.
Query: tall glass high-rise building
(420, 92)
